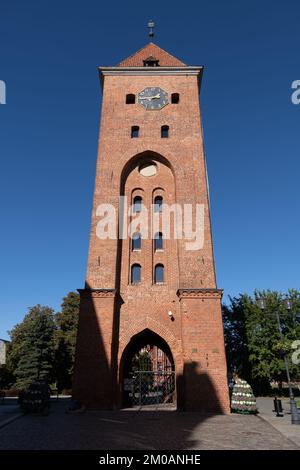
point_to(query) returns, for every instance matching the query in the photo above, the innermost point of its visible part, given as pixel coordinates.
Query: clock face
(153, 98)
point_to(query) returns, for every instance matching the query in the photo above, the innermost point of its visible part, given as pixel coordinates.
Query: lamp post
(261, 303)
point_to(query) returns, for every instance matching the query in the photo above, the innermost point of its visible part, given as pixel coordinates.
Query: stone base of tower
(203, 386)
(195, 339)
(94, 372)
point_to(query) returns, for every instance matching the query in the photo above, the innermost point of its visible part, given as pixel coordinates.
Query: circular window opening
(148, 169)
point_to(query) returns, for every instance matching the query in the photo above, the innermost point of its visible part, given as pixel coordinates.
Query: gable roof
(151, 49)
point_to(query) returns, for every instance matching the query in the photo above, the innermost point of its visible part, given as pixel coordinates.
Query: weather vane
(150, 27)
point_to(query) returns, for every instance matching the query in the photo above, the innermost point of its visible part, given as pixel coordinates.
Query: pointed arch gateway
(147, 372)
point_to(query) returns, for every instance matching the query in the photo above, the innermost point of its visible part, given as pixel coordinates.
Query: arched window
(158, 203)
(159, 273)
(135, 132)
(151, 62)
(175, 98)
(135, 274)
(164, 132)
(137, 204)
(130, 98)
(158, 241)
(136, 241)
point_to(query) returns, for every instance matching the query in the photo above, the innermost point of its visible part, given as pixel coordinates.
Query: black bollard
(278, 407)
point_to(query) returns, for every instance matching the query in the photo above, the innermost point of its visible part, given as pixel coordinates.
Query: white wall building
(3, 346)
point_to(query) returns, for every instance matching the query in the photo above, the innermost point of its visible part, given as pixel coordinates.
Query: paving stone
(159, 430)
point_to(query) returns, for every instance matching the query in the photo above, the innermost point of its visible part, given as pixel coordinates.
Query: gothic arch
(137, 160)
(144, 332)
(158, 328)
(138, 344)
(131, 183)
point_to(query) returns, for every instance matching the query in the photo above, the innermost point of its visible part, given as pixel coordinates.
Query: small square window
(175, 98)
(135, 132)
(130, 99)
(164, 132)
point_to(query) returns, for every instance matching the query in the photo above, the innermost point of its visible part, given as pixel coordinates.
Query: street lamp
(261, 303)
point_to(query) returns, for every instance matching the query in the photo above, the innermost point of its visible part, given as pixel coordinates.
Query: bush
(6, 377)
(66, 391)
(12, 392)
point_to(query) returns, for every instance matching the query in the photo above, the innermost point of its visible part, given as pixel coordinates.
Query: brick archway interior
(145, 340)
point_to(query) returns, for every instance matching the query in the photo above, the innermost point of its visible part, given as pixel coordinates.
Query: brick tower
(150, 327)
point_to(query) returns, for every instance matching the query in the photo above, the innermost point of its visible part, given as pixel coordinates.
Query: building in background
(3, 347)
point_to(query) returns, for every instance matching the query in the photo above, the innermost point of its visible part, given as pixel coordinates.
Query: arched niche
(147, 371)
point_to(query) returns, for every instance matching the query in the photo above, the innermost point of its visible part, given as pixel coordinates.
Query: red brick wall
(93, 375)
(183, 150)
(195, 337)
(165, 59)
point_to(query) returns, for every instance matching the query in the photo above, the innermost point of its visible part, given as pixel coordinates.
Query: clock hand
(149, 98)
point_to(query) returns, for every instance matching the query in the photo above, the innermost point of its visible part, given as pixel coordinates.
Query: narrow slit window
(164, 132)
(135, 274)
(135, 132)
(158, 204)
(159, 274)
(137, 204)
(158, 241)
(136, 241)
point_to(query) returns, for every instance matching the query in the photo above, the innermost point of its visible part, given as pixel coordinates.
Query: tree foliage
(31, 352)
(43, 346)
(253, 344)
(7, 378)
(65, 340)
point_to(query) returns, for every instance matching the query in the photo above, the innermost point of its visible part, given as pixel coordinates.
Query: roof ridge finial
(150, 27)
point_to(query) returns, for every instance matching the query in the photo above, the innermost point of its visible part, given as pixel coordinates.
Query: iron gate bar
(152, 388)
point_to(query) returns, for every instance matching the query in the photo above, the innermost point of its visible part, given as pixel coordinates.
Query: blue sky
(48, 135)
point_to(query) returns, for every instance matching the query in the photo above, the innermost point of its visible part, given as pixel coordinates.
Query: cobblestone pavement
(140, 430)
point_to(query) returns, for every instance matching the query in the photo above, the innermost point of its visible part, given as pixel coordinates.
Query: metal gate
(150, 378)
(151, 388)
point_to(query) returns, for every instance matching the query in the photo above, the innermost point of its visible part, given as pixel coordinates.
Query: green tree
(7, 378)
(253, 343)
(65, 340)
(236, 342)
(31, 352)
